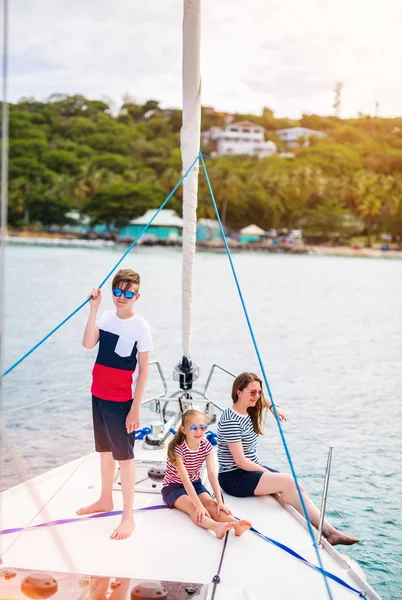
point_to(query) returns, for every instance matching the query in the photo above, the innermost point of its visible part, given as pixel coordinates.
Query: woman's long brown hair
(179, 436)
(256, 412)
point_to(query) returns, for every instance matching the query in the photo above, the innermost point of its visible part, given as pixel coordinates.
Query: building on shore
(243, 137)
(208, 229)
(297, 137)
(251, 233)
(166, 226)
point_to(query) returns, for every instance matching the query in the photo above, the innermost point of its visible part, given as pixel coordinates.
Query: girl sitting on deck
(182, 487)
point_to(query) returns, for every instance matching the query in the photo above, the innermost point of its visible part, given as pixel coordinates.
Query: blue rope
(300, 557)
(20, 360)
(264, 374)
(141, 433)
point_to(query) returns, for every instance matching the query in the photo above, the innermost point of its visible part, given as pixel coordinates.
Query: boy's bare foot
(341, 538)
(223, 528)
(98, 506)
(242, 526)
(124, 530)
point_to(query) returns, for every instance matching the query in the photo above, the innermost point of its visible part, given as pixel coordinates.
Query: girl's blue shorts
(172, 491)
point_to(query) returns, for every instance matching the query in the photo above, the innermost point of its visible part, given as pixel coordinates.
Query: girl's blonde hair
(179, 437)
(256, 412)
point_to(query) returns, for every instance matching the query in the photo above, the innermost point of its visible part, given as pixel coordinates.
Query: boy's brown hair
(126, 277)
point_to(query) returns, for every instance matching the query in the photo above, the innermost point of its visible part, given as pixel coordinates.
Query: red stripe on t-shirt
(112, 384)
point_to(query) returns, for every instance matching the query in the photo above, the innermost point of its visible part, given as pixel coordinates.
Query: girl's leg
(283, 484)
(212, 507)
(185, 505)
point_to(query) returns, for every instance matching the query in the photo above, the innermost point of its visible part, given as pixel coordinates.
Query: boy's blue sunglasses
(194, 427)
(127, 294)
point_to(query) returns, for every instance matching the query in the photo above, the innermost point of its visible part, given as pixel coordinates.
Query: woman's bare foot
(124, 530)
(242, 526)
(222, 528)
(341, 538)
(98, 506)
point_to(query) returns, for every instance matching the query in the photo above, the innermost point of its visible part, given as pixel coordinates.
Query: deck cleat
(148, 590)
(39, 585)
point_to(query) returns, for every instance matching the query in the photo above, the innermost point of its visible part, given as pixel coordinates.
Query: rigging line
(37, 501)
(310, 529)
(20, 360)
(307, 432)
(217, 578)
(12, 410)
(363, 475)
(53, 437)
(331, 506)
(73, 472)
(364, 542)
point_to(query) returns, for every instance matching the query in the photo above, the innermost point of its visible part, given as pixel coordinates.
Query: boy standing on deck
(119, 377)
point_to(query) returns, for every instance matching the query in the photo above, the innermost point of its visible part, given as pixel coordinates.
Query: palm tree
(372, 193)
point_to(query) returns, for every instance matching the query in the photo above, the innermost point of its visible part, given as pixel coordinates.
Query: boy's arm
(133, 417)
(91, 332)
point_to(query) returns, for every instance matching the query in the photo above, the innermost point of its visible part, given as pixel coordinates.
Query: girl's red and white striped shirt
(192, 460)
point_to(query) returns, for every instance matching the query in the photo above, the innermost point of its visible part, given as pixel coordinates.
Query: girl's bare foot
(341, 538)
(124, 530)
(98, 506)
(242, 526)
(222, 528)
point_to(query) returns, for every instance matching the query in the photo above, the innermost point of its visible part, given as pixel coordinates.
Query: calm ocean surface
(330, 334)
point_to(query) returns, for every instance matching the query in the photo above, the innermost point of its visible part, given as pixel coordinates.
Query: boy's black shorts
(110, 431)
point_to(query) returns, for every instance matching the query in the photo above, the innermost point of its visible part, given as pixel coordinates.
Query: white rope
(11, 410)
(53, 437)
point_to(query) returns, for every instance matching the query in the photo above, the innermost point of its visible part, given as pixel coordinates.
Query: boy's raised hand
(96, 298)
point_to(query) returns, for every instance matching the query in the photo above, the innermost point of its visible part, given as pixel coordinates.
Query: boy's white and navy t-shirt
(114, 374)
(192, 460)
(234, 427)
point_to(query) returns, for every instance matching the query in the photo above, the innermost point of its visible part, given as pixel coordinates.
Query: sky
(283, 54)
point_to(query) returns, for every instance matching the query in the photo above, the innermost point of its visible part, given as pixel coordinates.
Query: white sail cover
(190, 144)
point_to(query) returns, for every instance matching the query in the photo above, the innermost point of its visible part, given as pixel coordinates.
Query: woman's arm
(281, 413)
(236, 450)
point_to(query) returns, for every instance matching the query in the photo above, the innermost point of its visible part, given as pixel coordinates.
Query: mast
(190, 145)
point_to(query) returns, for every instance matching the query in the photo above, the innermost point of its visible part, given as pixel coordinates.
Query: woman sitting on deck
(240, 471)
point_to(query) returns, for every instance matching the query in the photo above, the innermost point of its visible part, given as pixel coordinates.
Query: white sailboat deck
(166, 545)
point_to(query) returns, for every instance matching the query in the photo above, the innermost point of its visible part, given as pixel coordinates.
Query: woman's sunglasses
(194, 427)
(127, 294)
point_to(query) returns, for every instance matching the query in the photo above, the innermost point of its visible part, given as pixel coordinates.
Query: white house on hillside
(293, 136)
(239, 138)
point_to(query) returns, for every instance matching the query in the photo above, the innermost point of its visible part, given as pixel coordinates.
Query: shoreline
(70, 241)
